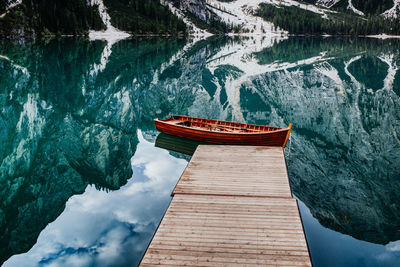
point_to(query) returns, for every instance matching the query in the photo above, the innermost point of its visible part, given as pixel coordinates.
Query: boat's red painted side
(272, 138)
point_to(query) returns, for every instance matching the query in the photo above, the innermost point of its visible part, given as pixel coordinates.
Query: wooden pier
(231, 207)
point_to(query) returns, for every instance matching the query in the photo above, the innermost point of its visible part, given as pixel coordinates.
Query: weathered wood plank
(200, 190)
(237, 200)
(210, 247)
(232, 207)
(236, 170)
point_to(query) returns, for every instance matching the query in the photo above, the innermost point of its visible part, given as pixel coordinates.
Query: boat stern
(287, 135)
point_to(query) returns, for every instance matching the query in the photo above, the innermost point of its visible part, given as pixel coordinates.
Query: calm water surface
(82, 182)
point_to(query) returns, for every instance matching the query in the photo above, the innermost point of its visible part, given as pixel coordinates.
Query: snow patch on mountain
(309, 7)
(12, 4)
(394, 11)
(327, 3)
(384, 36)
(194, 30)
(111, 34)
(355, 10)
(304, 6)
(241, 13)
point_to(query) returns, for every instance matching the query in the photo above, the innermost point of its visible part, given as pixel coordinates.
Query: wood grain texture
(226, 214)
(236, 170)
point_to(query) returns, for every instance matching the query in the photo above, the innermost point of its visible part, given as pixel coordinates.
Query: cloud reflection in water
(329, 248)
(101, 228)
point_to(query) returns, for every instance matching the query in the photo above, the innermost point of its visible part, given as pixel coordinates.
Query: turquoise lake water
(82, 182)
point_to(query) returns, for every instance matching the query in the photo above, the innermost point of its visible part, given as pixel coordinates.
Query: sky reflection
(100, 228)
(330, 248)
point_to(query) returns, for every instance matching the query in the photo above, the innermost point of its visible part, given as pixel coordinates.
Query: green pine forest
(76, 17)
(369, 7)
(45, 17)
(372, 7)
(300, 21)
(144, 17)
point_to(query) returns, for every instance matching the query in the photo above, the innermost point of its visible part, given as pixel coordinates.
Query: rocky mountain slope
(197, 17)
(243, 16)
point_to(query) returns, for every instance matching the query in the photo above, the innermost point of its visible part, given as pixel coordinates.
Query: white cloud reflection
(393, 246)
(101, 228)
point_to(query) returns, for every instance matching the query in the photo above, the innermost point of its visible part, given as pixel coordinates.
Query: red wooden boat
(223, 132)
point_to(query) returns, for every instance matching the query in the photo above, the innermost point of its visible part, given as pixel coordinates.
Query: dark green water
(83, 184)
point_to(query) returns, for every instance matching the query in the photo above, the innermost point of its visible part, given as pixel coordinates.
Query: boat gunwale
(210, 131)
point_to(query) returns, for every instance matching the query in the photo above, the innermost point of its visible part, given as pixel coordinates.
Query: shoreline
(130, 35)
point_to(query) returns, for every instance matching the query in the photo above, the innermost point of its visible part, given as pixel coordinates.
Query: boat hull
(274, 138)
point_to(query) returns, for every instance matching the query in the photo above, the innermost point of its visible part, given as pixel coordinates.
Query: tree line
(143, 17)
(77, 17)
(50, 17)
(373, 7)
(300, 21)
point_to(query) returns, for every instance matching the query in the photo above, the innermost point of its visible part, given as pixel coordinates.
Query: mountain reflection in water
(77, 124)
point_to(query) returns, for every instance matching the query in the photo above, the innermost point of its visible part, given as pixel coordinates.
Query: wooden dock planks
(231, 207)
(236, 170)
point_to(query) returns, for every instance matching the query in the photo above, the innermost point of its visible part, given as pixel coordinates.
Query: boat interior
(219, 126)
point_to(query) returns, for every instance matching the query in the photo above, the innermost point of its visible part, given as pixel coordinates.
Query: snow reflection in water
(341, 94)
